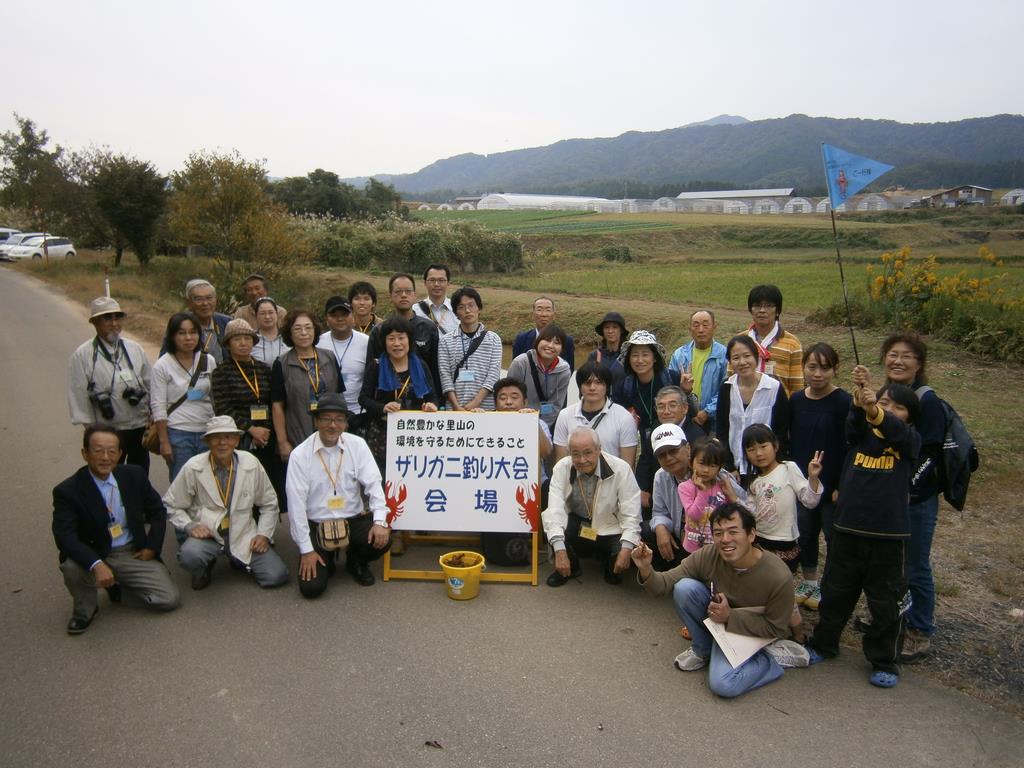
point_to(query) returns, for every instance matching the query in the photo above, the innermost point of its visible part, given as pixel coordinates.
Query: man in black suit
(543, 315)
(100, 515)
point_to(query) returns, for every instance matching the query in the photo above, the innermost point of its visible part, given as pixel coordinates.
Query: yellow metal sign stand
(438, 575)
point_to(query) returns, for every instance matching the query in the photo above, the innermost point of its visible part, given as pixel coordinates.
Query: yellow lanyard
(316, 364)
(225, 492)
(254, 385)
(363, 328)
(588, 504)
(333, 478)
(400, 392)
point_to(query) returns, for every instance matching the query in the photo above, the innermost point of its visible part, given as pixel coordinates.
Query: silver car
(32, 248)
(15, 240)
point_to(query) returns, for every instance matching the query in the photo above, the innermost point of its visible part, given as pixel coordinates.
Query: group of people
(714, 470)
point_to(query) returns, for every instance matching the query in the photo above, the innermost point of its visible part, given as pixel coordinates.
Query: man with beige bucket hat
(213, 499)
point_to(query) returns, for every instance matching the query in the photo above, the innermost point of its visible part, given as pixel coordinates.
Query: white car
(14, 240)
(6, 232)
(56, 248)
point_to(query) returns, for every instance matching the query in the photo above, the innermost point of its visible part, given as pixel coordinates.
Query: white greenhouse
(873, 203)
(423, 207)
(664, 205)
(765, 206)
(444, 207)
(735, 206)
(798, 205)
(506, 201)
(466, 207)
(1013, 197)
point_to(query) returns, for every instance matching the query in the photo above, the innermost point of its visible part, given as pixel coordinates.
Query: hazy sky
(389, 87)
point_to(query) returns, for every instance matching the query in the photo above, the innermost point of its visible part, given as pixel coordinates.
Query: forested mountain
(782, 152)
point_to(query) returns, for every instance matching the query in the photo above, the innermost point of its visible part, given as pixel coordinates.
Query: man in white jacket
(212, 500)
(593, 507)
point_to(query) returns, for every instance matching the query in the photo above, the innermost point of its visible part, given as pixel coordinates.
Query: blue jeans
(184, 445)
(691, 599)
(923, 515)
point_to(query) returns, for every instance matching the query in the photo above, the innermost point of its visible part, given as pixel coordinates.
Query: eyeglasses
(436, 280)
(465, 307)
(584, 454)
(204, 299)
(762, 307)
(670, 405)
(900, 356)
(334, 421)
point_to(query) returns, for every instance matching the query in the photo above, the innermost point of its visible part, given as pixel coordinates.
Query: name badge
(194, 394)
(546, 409)
(769, 367)
(312, 406)
(465, 375)
(336, 503)
(588, 533)
(258, 413)
(125, 376)
(116, 530)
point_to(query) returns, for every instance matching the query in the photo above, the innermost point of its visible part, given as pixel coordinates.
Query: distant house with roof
(965, 194)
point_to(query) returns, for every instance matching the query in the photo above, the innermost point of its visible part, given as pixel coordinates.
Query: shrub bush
(973, 311)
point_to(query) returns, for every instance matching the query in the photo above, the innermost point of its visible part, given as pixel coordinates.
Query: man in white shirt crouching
(329, 474)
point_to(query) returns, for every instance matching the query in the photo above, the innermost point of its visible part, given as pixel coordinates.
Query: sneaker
(788, 654)
(803, 589)
(689, 661)
(915, 646)
(881, 679)
(201, 580)
(813, 657)
(813, 598)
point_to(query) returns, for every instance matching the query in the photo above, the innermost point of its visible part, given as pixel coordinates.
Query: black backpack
(959, 455)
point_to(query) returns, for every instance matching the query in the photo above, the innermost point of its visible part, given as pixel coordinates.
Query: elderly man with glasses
(334, 495)
(593, 507)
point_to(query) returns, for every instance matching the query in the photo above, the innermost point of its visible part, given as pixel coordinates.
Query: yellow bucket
(463, 577)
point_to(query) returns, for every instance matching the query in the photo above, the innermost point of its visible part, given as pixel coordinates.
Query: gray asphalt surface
(521, 676)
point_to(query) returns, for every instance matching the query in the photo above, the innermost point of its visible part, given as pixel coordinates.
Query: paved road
(364, 677)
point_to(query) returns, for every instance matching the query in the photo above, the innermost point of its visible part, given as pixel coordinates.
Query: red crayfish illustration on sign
(395, 503)
(529, 507)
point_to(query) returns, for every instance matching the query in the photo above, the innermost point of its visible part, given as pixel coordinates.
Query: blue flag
(847, 174)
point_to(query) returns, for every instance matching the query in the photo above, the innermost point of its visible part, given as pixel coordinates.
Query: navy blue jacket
(80, 516)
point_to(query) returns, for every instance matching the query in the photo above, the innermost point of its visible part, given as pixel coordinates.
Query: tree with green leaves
(33, 177)
(132, 197)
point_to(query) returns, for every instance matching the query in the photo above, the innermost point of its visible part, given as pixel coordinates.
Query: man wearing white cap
(213, 499)
(663, 532)
(108, 382)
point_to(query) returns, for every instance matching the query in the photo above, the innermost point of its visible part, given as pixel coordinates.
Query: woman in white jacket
(749, 397)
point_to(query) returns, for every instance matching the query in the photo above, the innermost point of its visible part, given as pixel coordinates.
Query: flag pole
(842, 279)
(839, 257)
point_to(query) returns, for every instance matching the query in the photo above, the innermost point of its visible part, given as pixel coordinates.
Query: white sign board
(461, 471)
